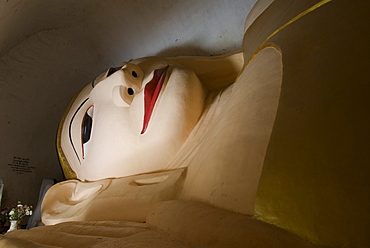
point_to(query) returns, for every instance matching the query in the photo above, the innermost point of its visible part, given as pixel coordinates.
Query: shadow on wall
(184, 49)
(138, 29)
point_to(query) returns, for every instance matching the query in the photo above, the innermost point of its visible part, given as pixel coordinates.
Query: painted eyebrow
(110, 72)
(93, 82)
(70, 128)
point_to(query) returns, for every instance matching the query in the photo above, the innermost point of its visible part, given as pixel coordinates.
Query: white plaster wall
(50, 49)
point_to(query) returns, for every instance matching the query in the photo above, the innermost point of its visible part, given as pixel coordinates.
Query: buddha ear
(72, 192)
(214, 71)
(65, 201)
(85, 190)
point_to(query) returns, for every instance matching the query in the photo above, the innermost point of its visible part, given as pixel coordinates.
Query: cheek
(180, 105)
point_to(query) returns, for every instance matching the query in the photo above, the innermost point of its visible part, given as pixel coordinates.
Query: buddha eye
(134, 74)
(86, 128)
(130, 91)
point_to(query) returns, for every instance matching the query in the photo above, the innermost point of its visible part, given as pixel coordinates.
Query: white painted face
(131, 119)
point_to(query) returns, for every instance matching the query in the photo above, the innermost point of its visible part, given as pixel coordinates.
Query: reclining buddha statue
(169, 151)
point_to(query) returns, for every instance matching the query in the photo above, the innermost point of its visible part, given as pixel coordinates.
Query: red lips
(151, 93)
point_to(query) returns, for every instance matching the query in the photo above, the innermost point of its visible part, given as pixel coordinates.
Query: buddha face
(131, 119)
